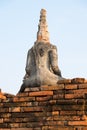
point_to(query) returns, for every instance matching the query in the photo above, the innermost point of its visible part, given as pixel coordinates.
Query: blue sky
(67, 24)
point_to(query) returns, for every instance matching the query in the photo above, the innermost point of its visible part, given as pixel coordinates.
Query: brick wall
(62, 107)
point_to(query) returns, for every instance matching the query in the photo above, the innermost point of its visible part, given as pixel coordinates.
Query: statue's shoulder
(30, 50)
(53, 46)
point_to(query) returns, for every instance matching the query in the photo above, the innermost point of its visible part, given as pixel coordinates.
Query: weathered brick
(45, 127)
(80, 113)
(3, 125)
(55, 113)
(80, 91)
(75, 95)
(85, 81)
(5, 115)
(58, 92)
(70, 86)
(31, 109)
(44, 98)
(66, 102)
(1, 104)
(13, 120)
(15, 109)
(33, 118)
(34, 124)
(46, 103)
(21, 129)
(13, 125)
(82, 86)
(54, 123)
(1, 120)
(2, 96)
(85, 128)
(67, 107)
(67, 118)
(77, 123)
(24, 125)
(81, 101)
(4, 110)
(24, 94)
(58, 96)
(40, 93)
(78, 80)
(23, 99)
(65, 81)
(38, 128)
(49, 118)
(60, 86)
(67, 113)
(57, 128)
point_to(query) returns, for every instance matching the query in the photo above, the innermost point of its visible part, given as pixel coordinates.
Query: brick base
(62, 107)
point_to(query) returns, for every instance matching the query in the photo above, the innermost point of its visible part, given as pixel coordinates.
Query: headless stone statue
(42, 61)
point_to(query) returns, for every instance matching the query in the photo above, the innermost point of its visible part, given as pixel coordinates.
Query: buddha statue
(42, 60)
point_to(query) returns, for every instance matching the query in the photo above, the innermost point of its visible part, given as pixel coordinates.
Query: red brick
(15, 109)
(37, 128)
(25, 94)
(49, 118)
(21, 129)
(65, 81)
(66, 118)
(80, 113)
(72, 96)
(80, 91)
(31, 109)
(3, 125)
(82, 86)
(57, 128)
(40, 93)
(4, 109)
(67, 113)
(5, 115)
(14, 125)
(77, 123)
(45, 98)
(85, 81)
(66, 102)
(78, 80)
(71, 86)
(1, 120)
(2, 96)
(46, 103)
(55, 113)
(58, 96)
(84, 128)
(50, 123)
(23, 99)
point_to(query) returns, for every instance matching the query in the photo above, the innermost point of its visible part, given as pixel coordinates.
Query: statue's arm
(27, 68)
(54, 61)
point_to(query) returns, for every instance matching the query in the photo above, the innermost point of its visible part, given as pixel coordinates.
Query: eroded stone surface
(42, 59)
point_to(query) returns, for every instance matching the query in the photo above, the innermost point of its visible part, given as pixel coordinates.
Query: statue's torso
(39, 58)
(38, 63)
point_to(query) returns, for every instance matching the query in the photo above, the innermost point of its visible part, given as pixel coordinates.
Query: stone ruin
(46, 100)
(42, 60)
